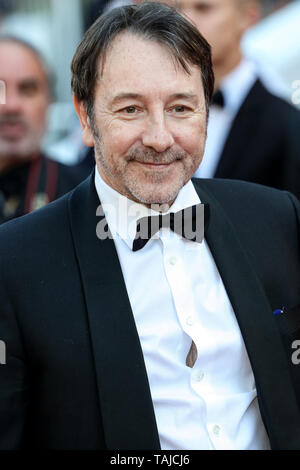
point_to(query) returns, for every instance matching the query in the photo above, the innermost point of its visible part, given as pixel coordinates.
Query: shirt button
(199, 376)
(216, 430)
(190, 321)
(173, 260)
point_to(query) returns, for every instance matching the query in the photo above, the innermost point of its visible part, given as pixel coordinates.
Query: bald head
(49, 75)
(23, 116)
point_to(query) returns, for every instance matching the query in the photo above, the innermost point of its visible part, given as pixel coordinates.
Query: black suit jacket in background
(75, 376)
(35, 183)
(263, 143)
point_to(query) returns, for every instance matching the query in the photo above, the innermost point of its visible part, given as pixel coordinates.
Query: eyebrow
(181, 96)
(29, 81)
(184, 96)
(124, 96)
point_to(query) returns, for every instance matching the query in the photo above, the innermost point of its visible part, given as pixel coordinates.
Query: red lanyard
(32, 186)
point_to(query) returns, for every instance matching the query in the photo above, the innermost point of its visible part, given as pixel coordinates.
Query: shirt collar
(236, 85)
(122, 213)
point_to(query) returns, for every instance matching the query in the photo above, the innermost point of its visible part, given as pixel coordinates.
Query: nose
(13, 104)
(157, 135)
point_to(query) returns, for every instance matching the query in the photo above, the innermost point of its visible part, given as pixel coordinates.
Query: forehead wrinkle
(180, 95)
(179, 64)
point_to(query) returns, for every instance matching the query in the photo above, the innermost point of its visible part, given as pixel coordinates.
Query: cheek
(36, 111)
(228, 28)
(216, 30)
(191, 139)
(210, 26)
(119, 138)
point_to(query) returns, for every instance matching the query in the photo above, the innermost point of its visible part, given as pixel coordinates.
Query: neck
(222, 69)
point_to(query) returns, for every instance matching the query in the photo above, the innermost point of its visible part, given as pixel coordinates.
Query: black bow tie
(218, 99)
(189, 223)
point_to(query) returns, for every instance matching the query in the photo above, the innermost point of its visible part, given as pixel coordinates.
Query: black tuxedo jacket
(263, 145)
(75, 377)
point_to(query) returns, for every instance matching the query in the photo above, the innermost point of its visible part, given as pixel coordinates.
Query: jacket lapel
(124, 394)
(276, 395)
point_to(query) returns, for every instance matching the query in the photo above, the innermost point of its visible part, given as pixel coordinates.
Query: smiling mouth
(154, 165)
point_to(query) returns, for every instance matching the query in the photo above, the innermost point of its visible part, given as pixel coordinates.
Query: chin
(154, 195)
(155, 189)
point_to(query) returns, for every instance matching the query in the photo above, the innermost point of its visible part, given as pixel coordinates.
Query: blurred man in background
(252, 134)
(28, 180)
(270, 6)
(5, 7)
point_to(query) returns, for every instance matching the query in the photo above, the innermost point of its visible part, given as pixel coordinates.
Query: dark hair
(50, 77)
(151, 20)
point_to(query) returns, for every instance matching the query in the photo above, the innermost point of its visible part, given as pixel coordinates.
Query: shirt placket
(185, 306)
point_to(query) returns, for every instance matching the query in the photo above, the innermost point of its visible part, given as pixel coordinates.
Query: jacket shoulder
(264, 98)
(237, 195)
(266, 220)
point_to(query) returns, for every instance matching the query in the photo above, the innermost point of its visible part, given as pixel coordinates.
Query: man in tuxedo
(252, 134)
(116, 341)
(28, 179)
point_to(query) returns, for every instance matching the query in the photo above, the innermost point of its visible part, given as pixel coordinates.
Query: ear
(86, 132)
(251, 13)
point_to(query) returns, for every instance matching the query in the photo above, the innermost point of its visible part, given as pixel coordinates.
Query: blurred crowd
(253, 125)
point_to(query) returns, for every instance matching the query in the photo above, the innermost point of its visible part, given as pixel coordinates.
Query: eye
(29, 88)
(130, 110)
(202, 7)
(180, 109)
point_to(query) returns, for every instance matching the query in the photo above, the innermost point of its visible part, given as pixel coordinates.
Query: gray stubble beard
(134, 190)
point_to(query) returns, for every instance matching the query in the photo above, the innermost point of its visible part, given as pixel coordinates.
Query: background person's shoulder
(29, 231)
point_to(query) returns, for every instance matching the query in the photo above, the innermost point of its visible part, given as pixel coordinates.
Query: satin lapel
(124, 394)
(240, 133)
(268, 359)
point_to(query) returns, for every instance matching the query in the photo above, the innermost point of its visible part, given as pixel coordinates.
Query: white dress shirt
(235, 87)
(177, 295)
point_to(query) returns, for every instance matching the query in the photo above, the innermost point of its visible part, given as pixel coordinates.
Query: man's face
(149, 121)
(23, 117)
(221, 22)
